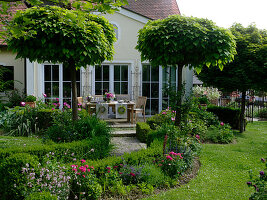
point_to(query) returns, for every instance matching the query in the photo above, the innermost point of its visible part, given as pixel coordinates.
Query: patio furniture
(80, 101)
(125, 97)
(130, 106)
(121, 110)
(140, 107)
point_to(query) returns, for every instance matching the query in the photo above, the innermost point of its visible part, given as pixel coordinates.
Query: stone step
(124, 133)
(122, 125)
(126, 145)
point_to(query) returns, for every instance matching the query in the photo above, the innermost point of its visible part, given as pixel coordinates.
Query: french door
(57, 83)
(113, 78)
(154, 80)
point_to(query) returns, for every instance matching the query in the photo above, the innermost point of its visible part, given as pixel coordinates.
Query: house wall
(7, 58)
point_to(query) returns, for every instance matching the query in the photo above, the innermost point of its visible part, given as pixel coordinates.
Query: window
(121, 79)
(101, 79)
(116, 30)
(7, 78)
(57, 83)
(150, 88)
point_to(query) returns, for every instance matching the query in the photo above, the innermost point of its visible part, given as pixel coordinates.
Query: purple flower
(22, 103)
(173, 118)
(263, 160)
(44, 95)
(197, 136)
(249, 183)
(262, 173)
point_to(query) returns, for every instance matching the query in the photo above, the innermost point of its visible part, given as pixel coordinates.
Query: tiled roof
(12, 10)
(154, 9)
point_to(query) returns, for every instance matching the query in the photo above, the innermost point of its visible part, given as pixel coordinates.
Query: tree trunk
(74, 102)
(178, 116)
(242, 114)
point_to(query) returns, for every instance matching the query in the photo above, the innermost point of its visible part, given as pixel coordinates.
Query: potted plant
(30, 100)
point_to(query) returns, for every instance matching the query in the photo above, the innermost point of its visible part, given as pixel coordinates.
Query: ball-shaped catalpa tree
(58, 35)
(185, 41)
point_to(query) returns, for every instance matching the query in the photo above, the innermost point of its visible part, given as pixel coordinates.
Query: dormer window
(116, 30)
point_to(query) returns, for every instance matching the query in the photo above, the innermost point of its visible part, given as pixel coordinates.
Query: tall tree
(181, 41)
(247, 71)
(58, 35)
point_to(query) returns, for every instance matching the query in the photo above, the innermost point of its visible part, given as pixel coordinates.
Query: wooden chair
(80, 101)
(140, 107)
(98, 98)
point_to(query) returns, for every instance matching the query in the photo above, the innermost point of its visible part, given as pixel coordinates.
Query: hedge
(227, 115)
(95, 148)
(142, 130)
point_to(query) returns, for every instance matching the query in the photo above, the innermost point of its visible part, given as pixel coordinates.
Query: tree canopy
(248, 70)
(55, 35)
(58, 35)
(180, 41)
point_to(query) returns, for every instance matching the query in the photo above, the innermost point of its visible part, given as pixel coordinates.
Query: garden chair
(80, 101)
(140, 107)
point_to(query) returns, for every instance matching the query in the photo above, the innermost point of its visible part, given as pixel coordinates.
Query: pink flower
(164, 113)
(83, 161)
(82, 169)
(92, 167)
(160, 165)
(79, 104)
(44, 95)
(55, 104)
(221, 123)
(108, 171)
(83, 176)
(74, 169)
(73, 166)
(173, 118)
(79, 173)
(79, 109)
(86, 166)
(169, 158)
(108, 168)
(53, 108)
(88, 170)
(57, 99)
(22, 103)
(197, 136)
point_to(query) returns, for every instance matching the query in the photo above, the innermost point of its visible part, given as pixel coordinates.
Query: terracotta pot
(31, 104)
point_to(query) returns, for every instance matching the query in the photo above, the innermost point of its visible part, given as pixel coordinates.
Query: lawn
(224, 170)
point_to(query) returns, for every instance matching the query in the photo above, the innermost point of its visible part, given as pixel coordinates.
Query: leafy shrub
(259, 183)
(15, 97)
(30, 98)
(142, 130)
(84, 182)
(64, 130)
(41, 196)
(95, 148)
(165, 117)
(227, 115)
(219, 134)
(12, 180)
(209, 118)
(51, 177)
(172, 164)
(262, 113)
(153, 175)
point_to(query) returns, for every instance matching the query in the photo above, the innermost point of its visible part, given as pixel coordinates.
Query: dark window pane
(124, 73)
(55, 72)
(7, 76)
(55, 90)
(173, 74)
(148, 107)
(66, 74)
(154, 106)
(98, 88)
(117, 88)
(47, 71)
(154, 73)
(124, 88)
(105, 87)
(98, 73)
(117, 73)
(105, 72)
(146, 89)
(78, 72)
(66, 90)
(47, 89)
(154, 90)
(146, 72)
(165, 104)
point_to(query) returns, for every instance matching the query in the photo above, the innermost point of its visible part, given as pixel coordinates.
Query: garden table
(130, 108)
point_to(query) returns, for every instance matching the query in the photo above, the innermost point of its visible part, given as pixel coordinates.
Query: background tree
(247, 71)
(181, 41)
(58, 35)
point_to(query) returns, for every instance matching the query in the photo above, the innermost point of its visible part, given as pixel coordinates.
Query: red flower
(132, 174)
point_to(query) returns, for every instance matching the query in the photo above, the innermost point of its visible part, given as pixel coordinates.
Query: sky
(225, 12)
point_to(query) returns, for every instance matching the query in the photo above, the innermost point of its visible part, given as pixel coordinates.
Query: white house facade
(125, 74)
